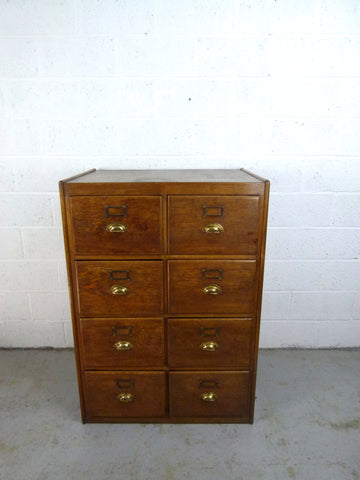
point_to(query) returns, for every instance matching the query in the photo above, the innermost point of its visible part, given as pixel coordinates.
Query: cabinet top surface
(153, 176)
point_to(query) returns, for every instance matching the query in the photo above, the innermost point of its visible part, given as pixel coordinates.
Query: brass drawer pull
(116, 228)
(123, 345)
(213, 228)
(209, 346)
(208, 397)
(212, 290)
(126, 397)
(119, 290)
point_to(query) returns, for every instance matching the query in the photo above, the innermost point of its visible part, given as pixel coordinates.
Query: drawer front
(119, 343)
(209, 343)
(211, 286)
(209, 394)
(213, 224)
(125, 394)
(115, 225)
(120, 288)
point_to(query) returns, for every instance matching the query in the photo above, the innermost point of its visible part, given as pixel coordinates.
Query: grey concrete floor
(307, 426)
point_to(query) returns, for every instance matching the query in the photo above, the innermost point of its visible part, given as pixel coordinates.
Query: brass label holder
(210, 332)
(115, 211)
(125, 383)
(125, 330)
(211, 274)
(208, 384)
(213, 211)
(119, 275)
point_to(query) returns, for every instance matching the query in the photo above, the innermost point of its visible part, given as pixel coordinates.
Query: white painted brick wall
(270, 86)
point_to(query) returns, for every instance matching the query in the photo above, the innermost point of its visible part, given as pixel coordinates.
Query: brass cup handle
(125, 397)
(213, 228)
(208, 397)
(119, 290)
(212, 290)
(116, 228)
(209, 346)
(123, 345)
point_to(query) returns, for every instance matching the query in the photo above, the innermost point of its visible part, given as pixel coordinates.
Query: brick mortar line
(115, 76)
(167, 36)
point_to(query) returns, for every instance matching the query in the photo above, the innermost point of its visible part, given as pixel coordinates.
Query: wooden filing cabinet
(165, 274)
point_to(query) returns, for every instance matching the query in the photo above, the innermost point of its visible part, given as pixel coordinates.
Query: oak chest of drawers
(165, 273)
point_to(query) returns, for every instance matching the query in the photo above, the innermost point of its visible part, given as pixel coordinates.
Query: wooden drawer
(233, 281)
(219, 342)
(98, 223)
(213, 224)
(125, 394)
(120, 288)
(118, 343)
(209, 394)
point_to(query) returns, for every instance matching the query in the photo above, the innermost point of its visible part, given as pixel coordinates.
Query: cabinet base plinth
(169, 420)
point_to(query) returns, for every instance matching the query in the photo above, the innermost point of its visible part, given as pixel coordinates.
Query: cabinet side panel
(71, 280)
(259, 297)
